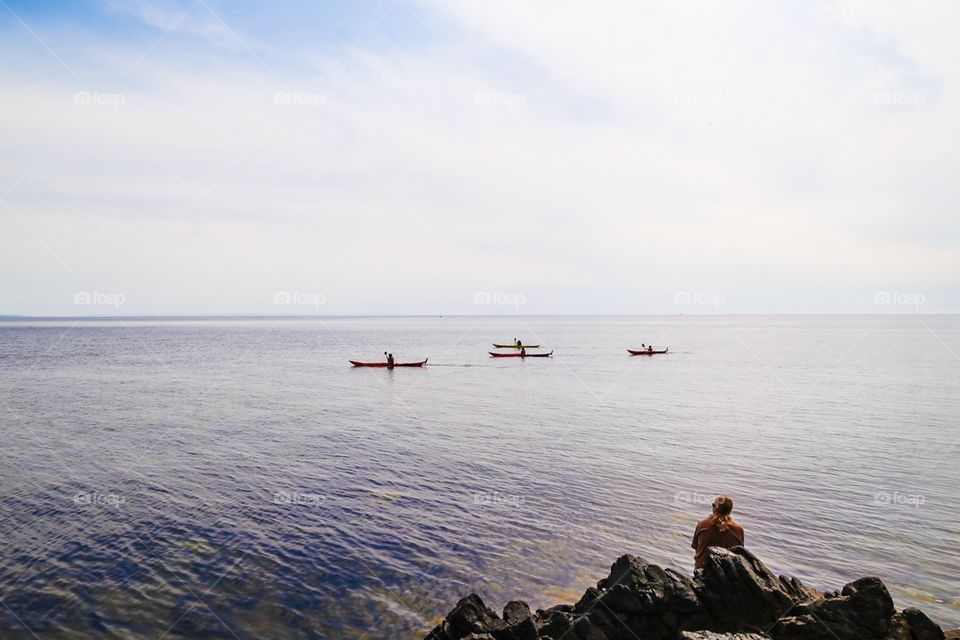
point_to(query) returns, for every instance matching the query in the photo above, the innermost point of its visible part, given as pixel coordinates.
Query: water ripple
(152, 465)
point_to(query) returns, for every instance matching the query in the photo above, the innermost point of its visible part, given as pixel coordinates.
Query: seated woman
(717, 530)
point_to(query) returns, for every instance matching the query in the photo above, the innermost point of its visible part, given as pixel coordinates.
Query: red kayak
(646, 352)
(520, 355)
(384, 364)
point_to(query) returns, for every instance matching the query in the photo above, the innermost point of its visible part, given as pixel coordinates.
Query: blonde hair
(722, 508)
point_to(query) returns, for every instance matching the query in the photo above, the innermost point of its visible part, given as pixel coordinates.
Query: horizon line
(7, 317)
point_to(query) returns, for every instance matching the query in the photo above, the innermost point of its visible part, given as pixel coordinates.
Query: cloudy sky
(412, 156)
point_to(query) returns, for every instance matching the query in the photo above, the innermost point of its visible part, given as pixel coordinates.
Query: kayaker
(523, 352)
(716, 530)
(390, 360)
(516, 341)
(650, 348)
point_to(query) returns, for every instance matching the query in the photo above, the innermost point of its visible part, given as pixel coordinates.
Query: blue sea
(237, 478)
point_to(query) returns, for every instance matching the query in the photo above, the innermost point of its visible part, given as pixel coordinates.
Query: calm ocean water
(205, 478)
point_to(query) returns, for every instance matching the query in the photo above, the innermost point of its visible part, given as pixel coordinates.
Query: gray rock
(516, 614)
(863, 611)
(922, 627)
(555, 622)
(470, 616)
(645, 600)
(516, 611)
(742, 594)
(733, 597)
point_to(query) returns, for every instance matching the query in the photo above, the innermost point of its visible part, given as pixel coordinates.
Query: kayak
(384, 364)
(520, 355)
(645, 352)
(513, 346)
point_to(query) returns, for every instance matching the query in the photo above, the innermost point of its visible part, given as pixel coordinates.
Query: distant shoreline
(14, 317)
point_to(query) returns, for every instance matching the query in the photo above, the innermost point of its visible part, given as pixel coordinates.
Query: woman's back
(716, 530)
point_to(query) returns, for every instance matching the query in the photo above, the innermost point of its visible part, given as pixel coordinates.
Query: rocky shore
(733, 597)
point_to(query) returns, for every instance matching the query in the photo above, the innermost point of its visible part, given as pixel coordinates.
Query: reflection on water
(203, 477)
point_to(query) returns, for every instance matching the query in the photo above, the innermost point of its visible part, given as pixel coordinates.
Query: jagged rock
(555, 622)
(519, 621)
(863, 611)
(646, 600)
(469, 616)
(742, 594)
(516, 611)
(733, 597)
(523, 630)
(922, 627)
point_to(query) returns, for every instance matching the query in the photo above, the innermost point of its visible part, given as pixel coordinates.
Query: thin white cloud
(635, 151)
(191, 17)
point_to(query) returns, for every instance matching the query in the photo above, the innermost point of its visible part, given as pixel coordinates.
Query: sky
(466, 157)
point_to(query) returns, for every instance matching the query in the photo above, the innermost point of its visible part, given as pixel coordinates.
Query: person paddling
(717, 530)
(523, 352)
(390, 360)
